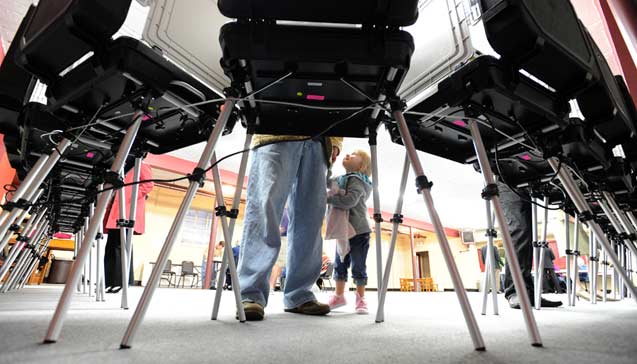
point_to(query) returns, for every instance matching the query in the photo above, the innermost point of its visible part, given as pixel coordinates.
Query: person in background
(517, 211)
(112, 251)
(498, 264)
(235, 255)
(357, 188)
(325, 263)
(291, 168)
(550, 281)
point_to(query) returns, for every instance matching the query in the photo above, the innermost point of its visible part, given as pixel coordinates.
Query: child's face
(352, 162)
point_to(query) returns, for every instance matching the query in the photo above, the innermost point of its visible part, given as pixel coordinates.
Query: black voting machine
(125, 100)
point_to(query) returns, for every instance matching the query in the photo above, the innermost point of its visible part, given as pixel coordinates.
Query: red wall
(7, 174)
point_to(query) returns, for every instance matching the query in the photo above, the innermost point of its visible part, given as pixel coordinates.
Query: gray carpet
(419, 328)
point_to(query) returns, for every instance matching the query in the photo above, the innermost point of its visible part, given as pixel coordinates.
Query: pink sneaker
(336, 301)
(361, 305)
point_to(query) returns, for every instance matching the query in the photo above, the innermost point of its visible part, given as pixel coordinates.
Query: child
(357, 189)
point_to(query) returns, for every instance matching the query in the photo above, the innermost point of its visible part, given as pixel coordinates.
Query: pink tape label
(315, 97)
(459, 123)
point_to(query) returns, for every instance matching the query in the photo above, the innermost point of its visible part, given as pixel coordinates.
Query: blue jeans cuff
(338, 277)
(360, 281)
(255, 300)
(309, 296)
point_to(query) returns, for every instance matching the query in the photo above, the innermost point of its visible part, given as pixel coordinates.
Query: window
(196, 228)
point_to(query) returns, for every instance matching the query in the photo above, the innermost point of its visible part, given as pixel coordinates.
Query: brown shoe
(315, 308)
(253, 311)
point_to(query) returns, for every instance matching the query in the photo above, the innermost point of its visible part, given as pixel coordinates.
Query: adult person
(498, 264)
(518, 213)
(292, 168)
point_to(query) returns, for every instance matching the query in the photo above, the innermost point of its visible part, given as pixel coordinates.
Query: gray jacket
(355, 201)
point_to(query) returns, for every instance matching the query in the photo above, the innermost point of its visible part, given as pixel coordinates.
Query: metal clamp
(586, 216)
(221, 211)
(379, 218)
(489, 191)
(20, 204)
(114, 179)
(198, 175)
(125, 223)
(423, 183)
(397, 218)
(491, 233)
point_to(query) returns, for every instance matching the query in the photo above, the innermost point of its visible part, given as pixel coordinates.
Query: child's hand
(335, 153)
(333, 189)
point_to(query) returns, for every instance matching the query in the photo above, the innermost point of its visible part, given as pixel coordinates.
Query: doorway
(423, 264)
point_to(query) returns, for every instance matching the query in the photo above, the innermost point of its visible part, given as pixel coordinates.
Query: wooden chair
(429, 285)
(406, 284)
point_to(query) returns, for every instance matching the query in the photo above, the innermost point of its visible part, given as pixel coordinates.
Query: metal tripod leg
(489, 279)
(536, 247)
(509, 251)
(197, 179)
(396, 220)
(55, 327)
(22, 260)
(34, 263)
(605, 274)
(625, 225)
(424, 189)
(19, 244)
(89, 279)
(30, 264)
(32, 198)
(612, 212)
(567, 224)
(126, 236)
(592, 267)
(78, 244)
(227, 235)
(540, 262)
(582, 206)
(632, 219)
(576, 253)
(99, 266)
(32, 181)
(378, 218)
(235, 207)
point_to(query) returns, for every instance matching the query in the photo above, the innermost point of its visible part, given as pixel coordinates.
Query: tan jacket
(330, 142)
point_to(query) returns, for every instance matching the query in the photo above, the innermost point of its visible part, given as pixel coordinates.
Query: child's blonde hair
(366, 165)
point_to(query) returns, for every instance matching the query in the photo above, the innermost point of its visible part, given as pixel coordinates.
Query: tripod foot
(122, 347)
(537, 345)
(481, 349)
(47, 341)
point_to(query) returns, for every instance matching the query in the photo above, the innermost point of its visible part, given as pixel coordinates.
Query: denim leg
(306, 210)
(341, 267)
(272, 173)
(359, 246)
(518, 212)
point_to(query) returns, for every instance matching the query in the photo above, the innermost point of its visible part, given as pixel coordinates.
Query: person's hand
(335, 153)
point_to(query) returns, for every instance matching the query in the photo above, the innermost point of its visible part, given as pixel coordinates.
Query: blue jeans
(357, 256)
(292, 171)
